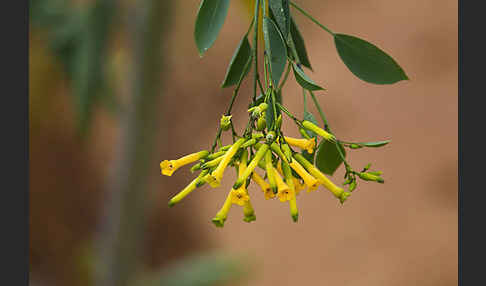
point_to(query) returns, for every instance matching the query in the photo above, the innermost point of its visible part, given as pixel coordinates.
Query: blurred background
(118, 86)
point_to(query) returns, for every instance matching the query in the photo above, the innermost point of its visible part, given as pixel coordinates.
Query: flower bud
(278, 122)
(261, 123)
(225, 122)
(319, 131)
(371, 177)
(196, 167)
(352, 186)
(355, 146)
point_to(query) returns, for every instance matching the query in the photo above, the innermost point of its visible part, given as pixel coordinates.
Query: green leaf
(376, 144)
(299, 45)
(304, 80)
(368, 62)
(275, 48)
(328, 159)
(209, 21)
(236, 68)
(281, 11)
(310, 117)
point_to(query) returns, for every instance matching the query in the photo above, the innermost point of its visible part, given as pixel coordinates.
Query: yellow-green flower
(284, 192)
(214, 178)
(188, 189)
(294, 212)
(254, 162)
(311, 182)
(266, 189)
(222, 214)
(168, 167)
(239, 197)
(319, 131)
(299, 186)
(305, 144)
(328, 184)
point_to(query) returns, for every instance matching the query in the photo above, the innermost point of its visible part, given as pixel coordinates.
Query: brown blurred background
(403, 232)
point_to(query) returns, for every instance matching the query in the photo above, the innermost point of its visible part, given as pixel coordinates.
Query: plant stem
(285, 110)
(305, 100)
(255, 49)
(230, 107)
(321, 114)
(260, 85)
(311, 18)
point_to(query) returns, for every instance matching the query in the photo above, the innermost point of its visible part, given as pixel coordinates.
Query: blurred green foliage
(78, 36)
(202, 270)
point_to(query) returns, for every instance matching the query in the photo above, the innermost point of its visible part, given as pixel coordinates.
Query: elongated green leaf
(275, 48)
(376, 144)
(299, 45)
(209, 21)
(304, 80)
(328, 159)
(281, 11)
(237, 65)
(368, 62)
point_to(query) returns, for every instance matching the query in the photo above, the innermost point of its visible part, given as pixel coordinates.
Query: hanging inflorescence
(280, 166)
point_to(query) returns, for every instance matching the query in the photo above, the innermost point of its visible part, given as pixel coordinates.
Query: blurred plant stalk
(123, 226)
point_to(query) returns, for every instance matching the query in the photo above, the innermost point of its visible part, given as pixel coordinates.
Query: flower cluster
(285, 172)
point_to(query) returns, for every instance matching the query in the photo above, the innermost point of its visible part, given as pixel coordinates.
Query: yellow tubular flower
(254, 162)
(299, 186)
(304, 144)
(168, 167)
(221, 216)
(311, 182)
(239, 197)
(275, 148)
(248, 212)
(266, 189)
(187, 190)
(319, 131)
(270, 171)
(328, 184)
(214, 178)
(294, 212)
(284, 192)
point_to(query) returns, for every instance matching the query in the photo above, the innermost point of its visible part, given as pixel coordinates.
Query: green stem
(311, 18)
(305, 100)
(285, 110)
(260, 85)
(321, 114)
(338, 147)
(255, 49)
(228, 111)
